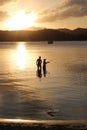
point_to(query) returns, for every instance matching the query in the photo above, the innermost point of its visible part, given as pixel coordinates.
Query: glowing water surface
(60, 94)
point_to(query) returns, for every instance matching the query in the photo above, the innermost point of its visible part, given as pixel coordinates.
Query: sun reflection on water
(21, 56)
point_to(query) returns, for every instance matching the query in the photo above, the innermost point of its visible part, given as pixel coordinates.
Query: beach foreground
(17, 124)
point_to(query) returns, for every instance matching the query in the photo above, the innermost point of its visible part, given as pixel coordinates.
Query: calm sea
(60, 93)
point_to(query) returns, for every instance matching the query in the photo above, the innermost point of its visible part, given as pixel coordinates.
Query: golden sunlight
(21, 21)
(21, 56)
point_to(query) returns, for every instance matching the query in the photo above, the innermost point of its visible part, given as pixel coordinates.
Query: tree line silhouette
(45, 35)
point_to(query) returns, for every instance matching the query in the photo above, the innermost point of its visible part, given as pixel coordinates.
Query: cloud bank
(2, 2)
(62, 10)
(67, 9)
(3, 16)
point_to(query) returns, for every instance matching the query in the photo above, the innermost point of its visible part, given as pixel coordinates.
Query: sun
(21, 21)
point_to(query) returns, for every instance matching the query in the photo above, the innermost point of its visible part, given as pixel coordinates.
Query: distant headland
(79, 34)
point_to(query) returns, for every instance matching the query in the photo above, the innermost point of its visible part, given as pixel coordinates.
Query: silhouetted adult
(38, 63)
(44, 66)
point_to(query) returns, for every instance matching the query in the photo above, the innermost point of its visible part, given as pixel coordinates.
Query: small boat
(50, 42)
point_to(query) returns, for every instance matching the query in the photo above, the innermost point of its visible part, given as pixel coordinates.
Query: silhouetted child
(44, 66)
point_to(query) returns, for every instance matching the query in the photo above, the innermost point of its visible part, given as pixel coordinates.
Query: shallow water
(59, 94)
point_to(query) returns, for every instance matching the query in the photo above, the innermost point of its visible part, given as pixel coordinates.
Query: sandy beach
(13, 124)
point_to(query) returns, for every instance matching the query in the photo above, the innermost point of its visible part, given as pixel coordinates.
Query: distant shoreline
(41, 41)
(79, 34)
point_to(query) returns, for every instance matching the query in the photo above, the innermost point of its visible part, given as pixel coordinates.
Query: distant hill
(40, 34)
(33, 28)
(64, 30)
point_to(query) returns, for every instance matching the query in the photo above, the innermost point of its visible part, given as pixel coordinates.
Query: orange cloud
(2, 2)
(3, 16)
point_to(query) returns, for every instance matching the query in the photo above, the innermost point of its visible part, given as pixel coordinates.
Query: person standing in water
(38, 63)
(44, 66)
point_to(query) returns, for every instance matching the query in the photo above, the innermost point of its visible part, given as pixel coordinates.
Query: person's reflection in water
(44, 67)
(39, 73)
(44, 72)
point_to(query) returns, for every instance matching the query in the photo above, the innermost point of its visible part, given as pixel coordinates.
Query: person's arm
(47, 62)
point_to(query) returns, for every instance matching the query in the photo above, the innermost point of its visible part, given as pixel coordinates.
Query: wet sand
(13, 124)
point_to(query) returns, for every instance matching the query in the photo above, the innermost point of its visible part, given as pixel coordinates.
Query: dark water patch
(78, 68)
(32, 109)
(8, 45)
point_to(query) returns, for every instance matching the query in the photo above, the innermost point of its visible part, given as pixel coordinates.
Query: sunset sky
(22, 14)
